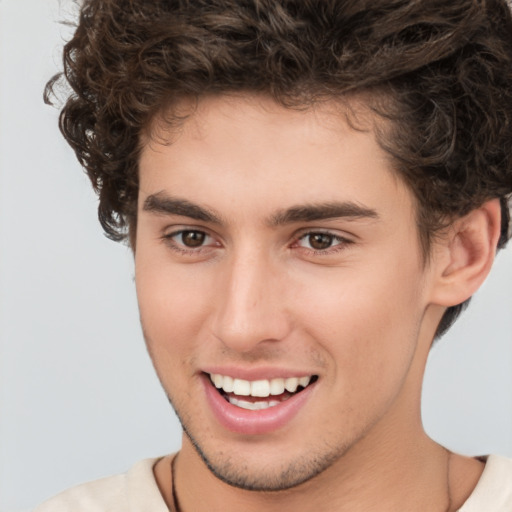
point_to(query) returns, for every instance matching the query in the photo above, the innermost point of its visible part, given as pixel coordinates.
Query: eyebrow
(323, 211)
(161, 203)
(164, 204)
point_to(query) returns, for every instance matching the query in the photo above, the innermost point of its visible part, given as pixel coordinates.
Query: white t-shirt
(137, 491)
(493, 492)
(134, 491)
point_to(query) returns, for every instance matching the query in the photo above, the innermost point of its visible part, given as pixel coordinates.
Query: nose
(251, 308)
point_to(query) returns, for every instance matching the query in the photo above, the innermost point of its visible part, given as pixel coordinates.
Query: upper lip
(262, 373)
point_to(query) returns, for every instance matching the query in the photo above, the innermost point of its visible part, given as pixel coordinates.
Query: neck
(417, 475)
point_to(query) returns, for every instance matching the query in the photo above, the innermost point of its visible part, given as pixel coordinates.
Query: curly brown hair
(444, 70)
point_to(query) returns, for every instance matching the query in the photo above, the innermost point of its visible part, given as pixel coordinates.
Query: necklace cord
(448, 486)
(175, 507)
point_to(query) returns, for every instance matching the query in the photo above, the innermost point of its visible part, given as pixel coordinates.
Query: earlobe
(465, 255)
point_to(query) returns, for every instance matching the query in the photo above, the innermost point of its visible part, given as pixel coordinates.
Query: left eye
(319, 241)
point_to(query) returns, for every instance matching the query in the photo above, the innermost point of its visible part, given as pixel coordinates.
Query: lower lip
(263, 421)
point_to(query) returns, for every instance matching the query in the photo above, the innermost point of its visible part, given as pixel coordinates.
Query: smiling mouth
(259, 394)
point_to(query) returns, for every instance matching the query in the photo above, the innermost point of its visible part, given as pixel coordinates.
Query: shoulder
(493, 493)
(134, 490)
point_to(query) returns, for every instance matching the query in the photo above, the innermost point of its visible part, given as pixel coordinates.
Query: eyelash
(182, 248)
(341, 243)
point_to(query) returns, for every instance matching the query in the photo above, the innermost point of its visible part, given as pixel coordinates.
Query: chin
(237, 470)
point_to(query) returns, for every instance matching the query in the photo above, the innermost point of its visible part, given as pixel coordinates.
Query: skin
(360, 314)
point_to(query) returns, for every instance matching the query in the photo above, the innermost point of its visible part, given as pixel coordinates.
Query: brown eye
(193, 238)
(320, 241)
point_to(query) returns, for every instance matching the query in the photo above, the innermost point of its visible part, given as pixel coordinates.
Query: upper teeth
(258, 388)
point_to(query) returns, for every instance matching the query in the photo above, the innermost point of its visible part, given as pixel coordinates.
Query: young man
(312, 192)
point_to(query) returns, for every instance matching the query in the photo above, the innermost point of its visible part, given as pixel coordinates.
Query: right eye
(190, 238)
(190, 241)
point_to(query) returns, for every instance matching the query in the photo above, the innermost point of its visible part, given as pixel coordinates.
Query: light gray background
(78, 398)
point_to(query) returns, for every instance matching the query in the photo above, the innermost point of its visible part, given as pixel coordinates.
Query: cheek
(368, 323)
(173, 303)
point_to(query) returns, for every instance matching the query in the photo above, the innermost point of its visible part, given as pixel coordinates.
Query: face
(281, 286)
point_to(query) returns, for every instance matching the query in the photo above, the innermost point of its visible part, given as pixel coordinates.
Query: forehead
(249, 154)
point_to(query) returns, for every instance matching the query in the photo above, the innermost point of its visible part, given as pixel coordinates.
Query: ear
(465, 254)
